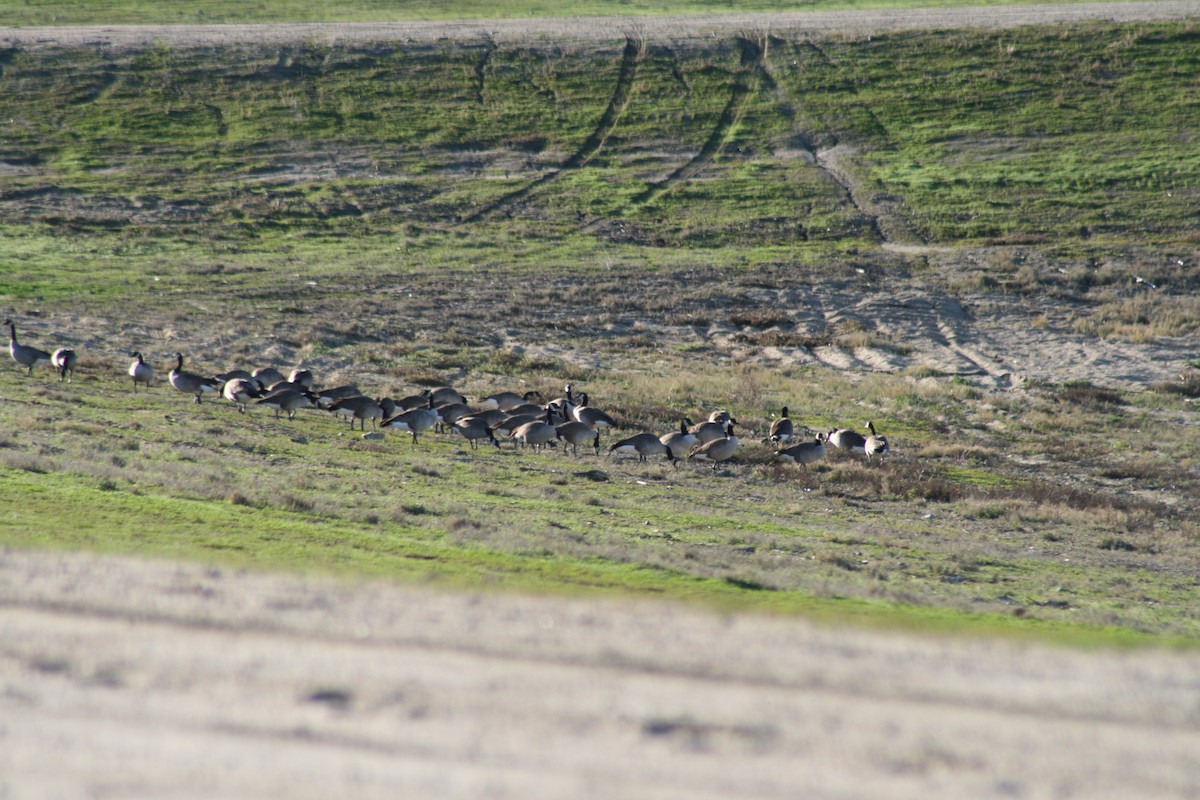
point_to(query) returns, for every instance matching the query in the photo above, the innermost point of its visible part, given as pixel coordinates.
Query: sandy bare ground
(127, 678)
(124, 678)
(584, 28)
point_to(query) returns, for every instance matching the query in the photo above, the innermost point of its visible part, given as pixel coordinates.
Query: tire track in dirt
(631, 59)
(481, 68)
(749, 76)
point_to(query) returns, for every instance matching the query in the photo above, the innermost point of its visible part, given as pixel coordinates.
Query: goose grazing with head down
(358, 408)
(575, 433)
(140, 371)
(65, 360)
(875, 445)
(846, 439)
(782, 429)
(473, 429)
(642, 445)
(506, 401)
(240, 391)
(538, 433)
(288, 401)
(414, 420)
(23, 354)
(804, 453)
(717, 450)
(190, 382)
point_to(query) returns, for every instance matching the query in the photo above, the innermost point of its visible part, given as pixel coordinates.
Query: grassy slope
(238, 176)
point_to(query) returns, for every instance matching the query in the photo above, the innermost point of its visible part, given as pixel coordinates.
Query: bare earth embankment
(149, 679)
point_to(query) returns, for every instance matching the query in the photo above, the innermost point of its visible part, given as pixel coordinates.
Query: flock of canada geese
(528, 419)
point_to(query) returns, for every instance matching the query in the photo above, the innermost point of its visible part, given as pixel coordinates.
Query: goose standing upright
(140, 371)
(782, 429)
(65, 360)
(681, 441)
(875, 445)
(190, 382)
(23, 354)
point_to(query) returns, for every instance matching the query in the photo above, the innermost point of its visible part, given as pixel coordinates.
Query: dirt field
(139, 679)
(125, 678)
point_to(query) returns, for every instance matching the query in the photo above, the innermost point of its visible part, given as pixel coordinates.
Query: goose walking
(65, 360)
(140, 371)
(23, 354)
(190, 382)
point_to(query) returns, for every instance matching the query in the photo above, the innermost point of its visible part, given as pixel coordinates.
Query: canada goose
(327, 397)
(280, 386)
(782, 429)
(267, 376)
(642, 445)
(190, 382)
(526, 408)
(304, 377)
(681, 441)
(23, 354)
(445, 394)
(804, 453)
(506, 401)
(415, 420)
(235, 374)
(709, 431)
(140, 371)
(846, 439)
(722, 417)
(390, 407)
(536, 434)
(591, 416)
(450, 413)
(491, 417)
(65, 360)
(575, 433)
(717, 450)
(875, 445)
(473, 429)
(510, 424)
(288, 401)
(241, 390)
(415, 401)
(358, 408)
